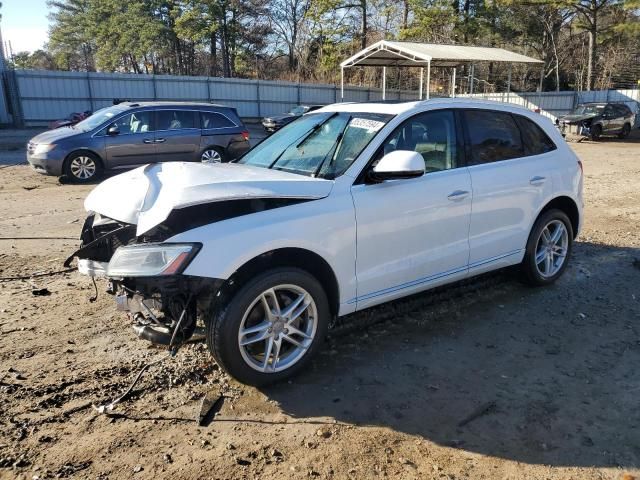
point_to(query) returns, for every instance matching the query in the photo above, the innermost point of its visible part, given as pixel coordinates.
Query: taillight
(245, 135)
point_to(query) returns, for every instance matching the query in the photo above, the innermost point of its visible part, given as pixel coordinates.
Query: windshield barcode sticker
(371, 125)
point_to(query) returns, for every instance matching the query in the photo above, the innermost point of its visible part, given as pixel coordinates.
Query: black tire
(82, 167)
(530, 269)
(211, 152)
(626, 130)
(596, 133)
(222, 329)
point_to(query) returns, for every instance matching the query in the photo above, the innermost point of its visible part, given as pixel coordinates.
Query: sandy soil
(493, 380)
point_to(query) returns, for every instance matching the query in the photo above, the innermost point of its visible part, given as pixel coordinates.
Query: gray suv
(131, 134)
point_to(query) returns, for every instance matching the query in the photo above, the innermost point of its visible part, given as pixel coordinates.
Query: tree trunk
(591, 60)
(213, 59)
(363, 26)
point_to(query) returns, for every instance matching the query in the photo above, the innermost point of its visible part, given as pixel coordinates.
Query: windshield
(297, 110)
(319, 144)
(588, 110)
(99, 118)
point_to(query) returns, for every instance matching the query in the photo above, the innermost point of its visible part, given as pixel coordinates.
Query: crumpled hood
(147, 195)
(576, 118)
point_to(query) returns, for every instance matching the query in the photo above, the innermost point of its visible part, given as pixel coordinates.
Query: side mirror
(400, 164)
(113, 130)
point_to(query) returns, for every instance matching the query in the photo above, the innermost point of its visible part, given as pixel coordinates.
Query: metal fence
(36, 97)
(48, 95)
(555, 104)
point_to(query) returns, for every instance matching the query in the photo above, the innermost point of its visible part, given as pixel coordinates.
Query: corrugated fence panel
(4, 110)
(106, 86)
(48, 95)
(182, 88)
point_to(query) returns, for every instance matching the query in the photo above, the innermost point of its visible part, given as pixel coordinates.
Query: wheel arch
(301, 258)
(566, 205)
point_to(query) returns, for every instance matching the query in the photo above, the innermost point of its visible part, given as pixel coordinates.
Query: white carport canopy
(410, 54)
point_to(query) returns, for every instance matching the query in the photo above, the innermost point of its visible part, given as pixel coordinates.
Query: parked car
(348, 207)
(72, 119)
(597, 119)
(132, 134)
(274, 122)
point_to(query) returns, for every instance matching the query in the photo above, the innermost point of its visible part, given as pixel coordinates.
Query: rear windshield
(319, 144)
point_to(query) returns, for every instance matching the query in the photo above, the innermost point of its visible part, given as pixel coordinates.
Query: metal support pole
(453, 83)
(342, 84)
(421, 81)
(90, 92)
(384, 83)
(428, 79)
(540, 93)
(473, 72)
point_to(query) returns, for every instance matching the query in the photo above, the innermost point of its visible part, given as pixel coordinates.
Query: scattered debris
(31, 187)
(483, 409)
(323, 432)
(211, 404)
(40, 292)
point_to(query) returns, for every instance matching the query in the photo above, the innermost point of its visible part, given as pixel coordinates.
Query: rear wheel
(548, 248)
(626, 130)
(82, 167)
(271, 327)
(596, 133)
(212, 155)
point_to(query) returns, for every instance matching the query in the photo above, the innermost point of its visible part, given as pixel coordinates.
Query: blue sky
(25, 23)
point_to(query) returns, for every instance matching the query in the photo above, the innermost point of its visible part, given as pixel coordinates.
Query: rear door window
(214, 120)
(175, 119)
(534, 139)
(492, 136)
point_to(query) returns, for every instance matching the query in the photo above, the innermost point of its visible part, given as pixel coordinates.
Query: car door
(177, 135)
(511, 180)
(609, 119)
(129, 140)
(413, 233)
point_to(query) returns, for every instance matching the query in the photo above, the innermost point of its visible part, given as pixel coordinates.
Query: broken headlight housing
(150, 260)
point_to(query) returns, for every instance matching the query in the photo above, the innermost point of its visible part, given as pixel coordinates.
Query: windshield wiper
(304, 138)
(332, 152)
(315, 128)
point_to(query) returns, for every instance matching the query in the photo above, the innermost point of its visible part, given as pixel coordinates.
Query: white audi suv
(348, 207)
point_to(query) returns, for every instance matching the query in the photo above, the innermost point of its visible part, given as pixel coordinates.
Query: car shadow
(537, 375)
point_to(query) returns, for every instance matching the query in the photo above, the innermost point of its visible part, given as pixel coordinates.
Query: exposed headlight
(151, 259)
(43, 148)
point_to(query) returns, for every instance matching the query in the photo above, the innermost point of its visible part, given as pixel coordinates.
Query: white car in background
(348, 207)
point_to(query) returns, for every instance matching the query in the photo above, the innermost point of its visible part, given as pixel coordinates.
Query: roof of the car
(173, 104)
(397, 108)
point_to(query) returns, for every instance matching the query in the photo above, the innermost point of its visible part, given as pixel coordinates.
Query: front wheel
(271, 327)
(548, 248)
(82, 167)
(596, 133)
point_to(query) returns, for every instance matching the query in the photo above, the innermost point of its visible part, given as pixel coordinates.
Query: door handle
(146, 140)
(458, 195)
(537, 180)
(160, 140)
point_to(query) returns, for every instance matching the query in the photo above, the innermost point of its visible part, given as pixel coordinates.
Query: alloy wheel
(211, 156)
(551, 248)
(83, 167)
(278, 328)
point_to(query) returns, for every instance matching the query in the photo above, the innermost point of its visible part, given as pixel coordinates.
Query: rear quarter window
(214, 120)
(534, 139)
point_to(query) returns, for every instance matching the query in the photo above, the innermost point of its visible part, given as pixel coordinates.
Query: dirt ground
(494, 380)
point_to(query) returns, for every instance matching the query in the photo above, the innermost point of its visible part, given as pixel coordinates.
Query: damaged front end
(145, 276)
